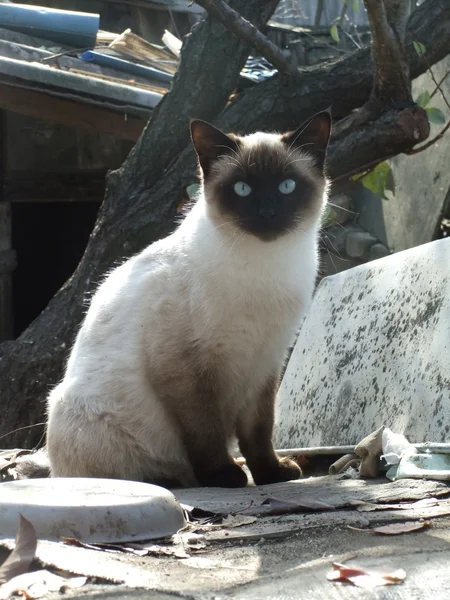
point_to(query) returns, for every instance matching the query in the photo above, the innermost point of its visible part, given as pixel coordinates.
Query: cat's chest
(247, 328)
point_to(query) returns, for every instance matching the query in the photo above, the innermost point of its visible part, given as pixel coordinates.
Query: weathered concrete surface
(295, 568)
(279, 556)
(422, 182)
(374, 350)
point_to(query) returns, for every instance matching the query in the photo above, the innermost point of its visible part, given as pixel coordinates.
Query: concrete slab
(373, 350)
(293, 568)
(422, 180)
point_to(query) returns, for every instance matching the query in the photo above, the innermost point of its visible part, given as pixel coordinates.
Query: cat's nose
(266, 213)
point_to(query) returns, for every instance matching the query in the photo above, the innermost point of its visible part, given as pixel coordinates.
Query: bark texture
(141, 197)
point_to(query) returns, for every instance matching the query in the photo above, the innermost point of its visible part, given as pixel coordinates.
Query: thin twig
(21, 429)
(444, 130)
(438, 88)
(67, 53)
(362, 169)
(248, 32)
(436, 83)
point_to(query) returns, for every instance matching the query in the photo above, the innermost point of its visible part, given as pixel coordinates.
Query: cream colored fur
(239, 298)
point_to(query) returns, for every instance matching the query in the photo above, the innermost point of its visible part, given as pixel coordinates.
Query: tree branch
(387, 20)
(142, 197)
(210, 66)
(438, 85)
(345, 83)
(248, 32)
(431, 142)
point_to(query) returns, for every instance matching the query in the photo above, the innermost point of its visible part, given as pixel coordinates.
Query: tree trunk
(142, 196)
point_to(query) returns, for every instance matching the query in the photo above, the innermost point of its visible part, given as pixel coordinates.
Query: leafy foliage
(334, 33)
(435, 115)
(419, 48)
(423, 99)
(379, 180)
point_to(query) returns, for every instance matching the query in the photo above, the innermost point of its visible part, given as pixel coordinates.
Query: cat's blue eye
(287, 186)
(242, 189)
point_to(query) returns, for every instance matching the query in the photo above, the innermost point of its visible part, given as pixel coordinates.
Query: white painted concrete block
(90, 510)
(374, 350)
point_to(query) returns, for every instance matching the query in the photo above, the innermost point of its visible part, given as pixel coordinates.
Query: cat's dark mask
(268, 183)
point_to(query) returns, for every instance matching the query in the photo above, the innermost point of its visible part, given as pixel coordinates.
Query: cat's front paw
(229, 476)
(285, 470)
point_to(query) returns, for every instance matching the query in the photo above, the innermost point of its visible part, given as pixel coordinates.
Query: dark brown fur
(266, 212)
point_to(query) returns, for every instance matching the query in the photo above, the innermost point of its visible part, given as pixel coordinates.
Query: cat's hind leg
(84, 442)
(81, 444)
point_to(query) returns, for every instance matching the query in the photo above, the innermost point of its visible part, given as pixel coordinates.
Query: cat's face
(267, 184)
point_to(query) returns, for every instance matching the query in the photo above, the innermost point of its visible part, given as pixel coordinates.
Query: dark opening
(49, 238)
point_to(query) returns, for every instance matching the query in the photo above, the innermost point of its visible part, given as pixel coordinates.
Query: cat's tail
(33, 466)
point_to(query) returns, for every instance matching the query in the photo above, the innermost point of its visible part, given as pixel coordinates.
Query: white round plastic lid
(90, 510)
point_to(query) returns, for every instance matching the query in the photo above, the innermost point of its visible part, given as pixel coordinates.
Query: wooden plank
(332, 489)
(70, 112)
(131, 44)
(159, 89)
(82, 186)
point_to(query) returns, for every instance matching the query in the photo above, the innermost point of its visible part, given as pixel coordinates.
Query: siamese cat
(182, 346)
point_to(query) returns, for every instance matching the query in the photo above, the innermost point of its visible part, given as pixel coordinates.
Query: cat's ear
(210, 143)
(313, 136)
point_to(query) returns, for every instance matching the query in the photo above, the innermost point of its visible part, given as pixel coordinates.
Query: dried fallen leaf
(131, 548)
(365, 578)
(420, 504)
(285, 507)
(12, 454)
(238, 520)
(23, 554)
(194, 541)
(39, 583)
(104, 547)
(232, 520)
(398, 528)
(199, 515)
(176, 551)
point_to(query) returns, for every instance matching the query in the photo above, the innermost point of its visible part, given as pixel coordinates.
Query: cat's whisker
(236, 163)
(234, 156)
(352, 212)
(236, 241)
(338, 255)
(332, 261)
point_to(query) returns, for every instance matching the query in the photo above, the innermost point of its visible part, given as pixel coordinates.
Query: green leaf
(328, 216)
(435, 115)
(356, 6)
(419, 48)
(334, 33)
(423, 99)
(376, 180)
